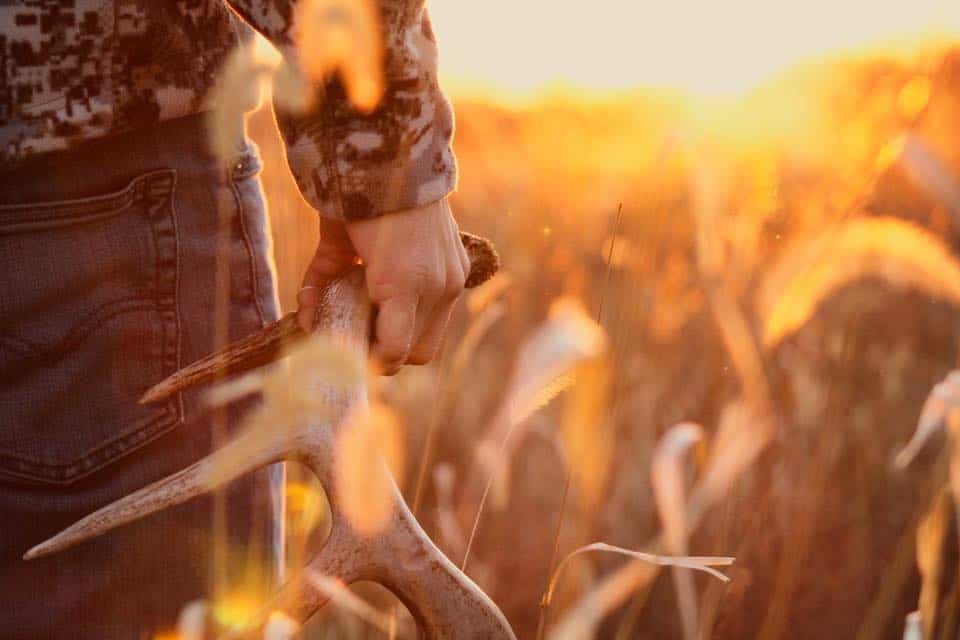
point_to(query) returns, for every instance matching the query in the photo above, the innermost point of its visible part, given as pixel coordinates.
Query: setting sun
(517, 48)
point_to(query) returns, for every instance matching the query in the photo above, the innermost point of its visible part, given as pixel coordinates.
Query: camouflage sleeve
(351, 165)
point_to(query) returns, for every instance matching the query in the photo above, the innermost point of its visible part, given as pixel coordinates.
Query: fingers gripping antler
(401, 557)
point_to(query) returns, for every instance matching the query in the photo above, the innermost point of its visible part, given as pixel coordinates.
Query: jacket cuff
(396, 158)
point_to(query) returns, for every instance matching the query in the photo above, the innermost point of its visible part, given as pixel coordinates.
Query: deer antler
(401, 557)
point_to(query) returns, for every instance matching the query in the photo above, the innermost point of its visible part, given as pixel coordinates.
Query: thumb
(332, 257)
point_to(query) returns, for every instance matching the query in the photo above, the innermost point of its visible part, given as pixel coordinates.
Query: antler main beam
(401, 557)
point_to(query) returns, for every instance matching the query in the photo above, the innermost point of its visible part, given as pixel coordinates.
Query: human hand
(415, 269)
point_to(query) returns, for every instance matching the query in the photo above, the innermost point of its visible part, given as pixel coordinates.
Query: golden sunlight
(515, 49)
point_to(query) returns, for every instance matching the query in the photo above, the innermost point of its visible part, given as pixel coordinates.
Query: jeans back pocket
(88, 322)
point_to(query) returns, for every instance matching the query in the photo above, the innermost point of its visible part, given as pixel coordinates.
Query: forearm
(352, 165)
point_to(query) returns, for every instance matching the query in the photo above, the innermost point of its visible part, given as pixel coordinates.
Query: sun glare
(517, 48)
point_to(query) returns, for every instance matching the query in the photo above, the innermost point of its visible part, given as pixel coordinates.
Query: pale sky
(708, 46)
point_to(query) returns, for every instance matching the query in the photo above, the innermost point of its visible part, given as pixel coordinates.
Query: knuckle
(403, 282)
(382, 289)
(416, 274)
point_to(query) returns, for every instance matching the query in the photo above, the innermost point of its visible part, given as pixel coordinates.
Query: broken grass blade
(698, 563)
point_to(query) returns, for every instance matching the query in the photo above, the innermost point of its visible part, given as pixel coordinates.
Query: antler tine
(247, 453)
(446, 604)
(263, 347)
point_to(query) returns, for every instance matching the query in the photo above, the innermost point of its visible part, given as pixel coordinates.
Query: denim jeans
(109, 283)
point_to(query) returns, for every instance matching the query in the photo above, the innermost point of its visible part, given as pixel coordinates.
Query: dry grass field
(779, 269)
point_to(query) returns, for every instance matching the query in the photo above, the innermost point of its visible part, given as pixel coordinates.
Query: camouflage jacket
(73, 70)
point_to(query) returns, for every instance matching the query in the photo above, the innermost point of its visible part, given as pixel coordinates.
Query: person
(128, 250)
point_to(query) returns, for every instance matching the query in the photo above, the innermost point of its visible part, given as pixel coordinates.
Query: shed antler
(401, 557)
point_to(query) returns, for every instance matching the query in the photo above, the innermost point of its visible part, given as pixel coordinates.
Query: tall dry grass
(783, 274)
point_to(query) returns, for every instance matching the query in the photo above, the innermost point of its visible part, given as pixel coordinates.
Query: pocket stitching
(70, 207)
(165, 301)
(248, 245)
(64, 473)
(75, 336)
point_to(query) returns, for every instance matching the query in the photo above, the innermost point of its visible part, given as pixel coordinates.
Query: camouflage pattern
(72, 70)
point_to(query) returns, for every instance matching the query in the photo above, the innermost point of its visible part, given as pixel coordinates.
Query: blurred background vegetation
(647, 207)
